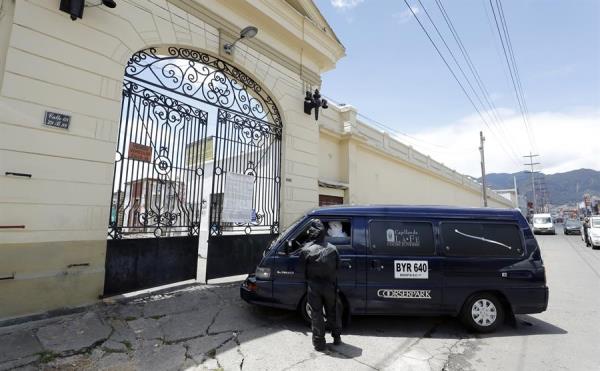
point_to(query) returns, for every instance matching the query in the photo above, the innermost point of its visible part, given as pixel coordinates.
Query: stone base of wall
(49, 276)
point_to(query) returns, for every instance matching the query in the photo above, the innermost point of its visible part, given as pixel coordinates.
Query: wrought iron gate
(160, 169)
(244, 145)
(158, 180)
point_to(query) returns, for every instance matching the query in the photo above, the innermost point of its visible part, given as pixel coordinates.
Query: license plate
(411, 269)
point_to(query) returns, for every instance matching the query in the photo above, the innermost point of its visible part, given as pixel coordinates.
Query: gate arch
(163, 161)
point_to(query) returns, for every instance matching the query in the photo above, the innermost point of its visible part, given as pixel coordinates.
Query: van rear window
(481, 239)
(389, 237)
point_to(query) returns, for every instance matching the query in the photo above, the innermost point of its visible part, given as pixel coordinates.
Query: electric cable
(492, 107)
(512, 75)
(454, 75)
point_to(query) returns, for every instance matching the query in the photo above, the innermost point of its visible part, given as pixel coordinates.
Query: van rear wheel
(482, 312)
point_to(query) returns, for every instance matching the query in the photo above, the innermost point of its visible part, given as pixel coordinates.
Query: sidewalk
(198, 327)
(208, 327)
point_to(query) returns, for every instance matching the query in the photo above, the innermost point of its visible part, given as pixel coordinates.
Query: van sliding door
(403, 271)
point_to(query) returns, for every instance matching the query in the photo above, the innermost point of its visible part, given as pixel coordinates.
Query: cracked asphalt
(210, 328)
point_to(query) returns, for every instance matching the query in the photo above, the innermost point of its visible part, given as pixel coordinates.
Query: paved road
(209, 327)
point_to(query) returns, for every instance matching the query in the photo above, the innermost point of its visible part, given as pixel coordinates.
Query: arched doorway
(198, 157)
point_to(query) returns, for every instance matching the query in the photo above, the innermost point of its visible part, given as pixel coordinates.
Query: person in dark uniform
(321, 261)
(586, 227)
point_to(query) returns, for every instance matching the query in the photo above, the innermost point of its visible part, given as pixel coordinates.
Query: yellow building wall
(332, 159)
(378, 169)
(50, 63)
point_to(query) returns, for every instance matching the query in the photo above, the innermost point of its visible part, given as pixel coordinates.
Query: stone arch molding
(201, 76)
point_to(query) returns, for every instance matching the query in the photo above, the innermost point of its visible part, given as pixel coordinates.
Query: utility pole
(516, 192)
(481, 140)
(531, 163)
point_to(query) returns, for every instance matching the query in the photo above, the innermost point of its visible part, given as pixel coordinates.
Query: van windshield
(542, 220)
(596, 222)
(285, 232)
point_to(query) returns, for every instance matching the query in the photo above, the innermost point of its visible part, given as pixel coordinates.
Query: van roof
(425, 210)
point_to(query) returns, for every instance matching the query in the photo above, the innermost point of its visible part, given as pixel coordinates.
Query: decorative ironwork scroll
(245, 145)
(159, 166)
(161, 153)
(201, 76)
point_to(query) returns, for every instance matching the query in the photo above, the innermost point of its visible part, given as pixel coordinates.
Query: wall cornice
(316, 51)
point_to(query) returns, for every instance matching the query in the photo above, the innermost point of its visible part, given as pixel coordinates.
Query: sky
(393, 75)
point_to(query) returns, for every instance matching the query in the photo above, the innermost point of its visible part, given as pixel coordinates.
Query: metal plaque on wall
(57, 120)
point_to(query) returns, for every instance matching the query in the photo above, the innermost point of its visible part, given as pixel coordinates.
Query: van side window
(390, 237)
(481, 239)
(337, 233)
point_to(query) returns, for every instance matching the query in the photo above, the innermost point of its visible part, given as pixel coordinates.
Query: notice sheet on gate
(237, 200)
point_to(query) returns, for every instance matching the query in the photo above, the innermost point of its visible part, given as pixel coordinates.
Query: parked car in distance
(543, 223)
(572, 226)
(594, 231)
(480, 264)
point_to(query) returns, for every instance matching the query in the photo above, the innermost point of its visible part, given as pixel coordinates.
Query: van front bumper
(256, 291)
(544, 230)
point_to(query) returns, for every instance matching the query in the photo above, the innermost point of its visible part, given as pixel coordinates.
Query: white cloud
(405, 15)
(565, 141)
(345, 4)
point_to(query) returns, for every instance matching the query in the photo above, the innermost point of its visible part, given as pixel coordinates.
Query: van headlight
(263, 273)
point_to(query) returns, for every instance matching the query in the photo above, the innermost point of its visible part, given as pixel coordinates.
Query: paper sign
(237, 202)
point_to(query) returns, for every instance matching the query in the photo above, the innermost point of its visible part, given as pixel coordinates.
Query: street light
(75, 7)
(247, 33)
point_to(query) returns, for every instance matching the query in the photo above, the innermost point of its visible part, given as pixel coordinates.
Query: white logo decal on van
(390, 235)
(404, 294)
(411, 269)
(403, 238)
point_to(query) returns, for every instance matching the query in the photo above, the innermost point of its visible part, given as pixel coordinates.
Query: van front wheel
(482, 313)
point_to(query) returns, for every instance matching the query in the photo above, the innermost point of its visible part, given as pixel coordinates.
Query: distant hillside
(563, 188)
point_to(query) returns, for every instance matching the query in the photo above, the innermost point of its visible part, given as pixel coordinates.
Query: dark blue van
(481, 264)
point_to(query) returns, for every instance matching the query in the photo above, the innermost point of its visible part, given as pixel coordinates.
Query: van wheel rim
(484, 312)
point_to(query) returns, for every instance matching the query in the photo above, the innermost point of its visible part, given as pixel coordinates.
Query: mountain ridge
(563, 188)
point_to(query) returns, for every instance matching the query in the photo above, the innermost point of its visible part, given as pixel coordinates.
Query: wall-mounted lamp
(314, 101)
(75, 7)
(247, 33)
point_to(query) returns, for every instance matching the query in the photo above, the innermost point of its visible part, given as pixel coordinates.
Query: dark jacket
(320, 262)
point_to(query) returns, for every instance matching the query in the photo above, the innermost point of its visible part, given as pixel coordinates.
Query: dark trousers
(324, 295)
(586, 236)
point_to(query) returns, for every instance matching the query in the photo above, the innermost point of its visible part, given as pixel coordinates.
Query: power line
(498, 119)
(499, 136)
(516, 66)
(511, 67)
(453, 73)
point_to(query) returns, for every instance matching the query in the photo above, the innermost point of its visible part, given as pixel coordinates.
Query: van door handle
(346, 263)
(376, 264)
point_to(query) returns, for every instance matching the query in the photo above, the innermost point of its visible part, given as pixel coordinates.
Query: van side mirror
(285, 248)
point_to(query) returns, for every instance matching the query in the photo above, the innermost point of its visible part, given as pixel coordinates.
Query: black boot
(337, 339)
(319, 344)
